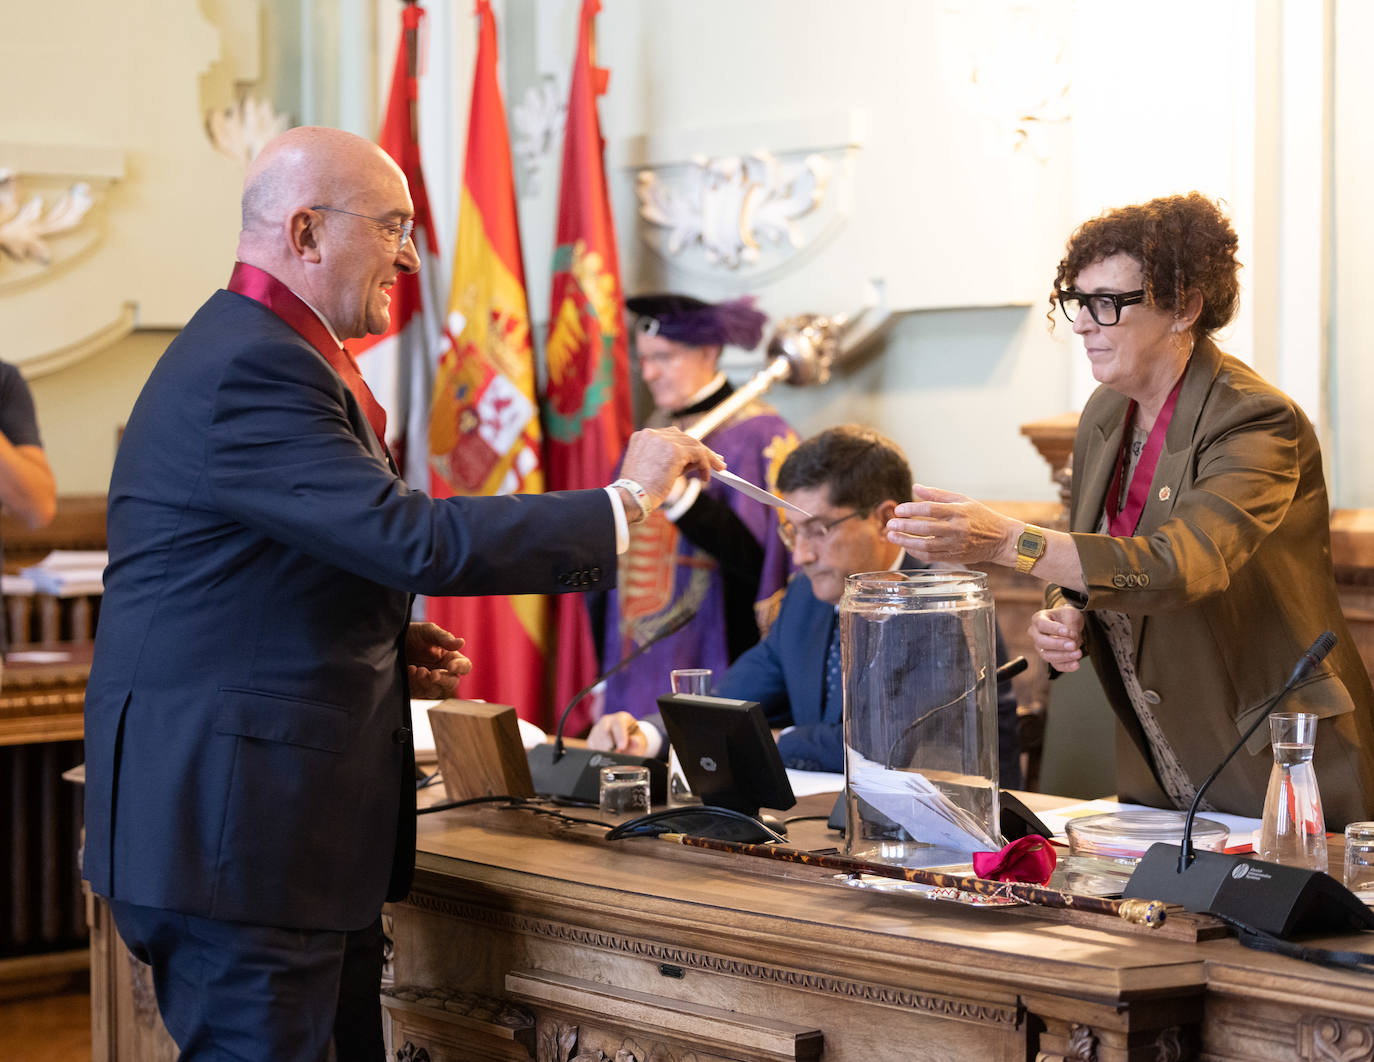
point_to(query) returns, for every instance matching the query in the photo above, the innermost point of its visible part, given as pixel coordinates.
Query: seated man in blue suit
(850, 478)
(250, 797)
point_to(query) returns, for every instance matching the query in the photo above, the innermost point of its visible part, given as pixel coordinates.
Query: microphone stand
(574, 774)
(1315, 654)
(1266, 900)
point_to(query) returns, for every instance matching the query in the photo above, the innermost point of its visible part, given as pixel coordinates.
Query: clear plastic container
(1125, 836)
(920, 717)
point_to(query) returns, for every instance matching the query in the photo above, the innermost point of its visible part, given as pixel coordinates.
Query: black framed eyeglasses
(399, 231)
(1104, 306)
(815, 532)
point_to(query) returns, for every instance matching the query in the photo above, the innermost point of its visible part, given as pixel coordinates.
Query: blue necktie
(833, 700)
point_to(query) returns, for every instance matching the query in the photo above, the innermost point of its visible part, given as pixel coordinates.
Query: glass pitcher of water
(1293, 830)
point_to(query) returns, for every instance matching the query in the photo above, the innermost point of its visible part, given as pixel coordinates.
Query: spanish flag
(484, 423)
(586, 402)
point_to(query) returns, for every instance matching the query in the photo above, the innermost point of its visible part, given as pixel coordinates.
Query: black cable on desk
(514, 803)
(448, 805)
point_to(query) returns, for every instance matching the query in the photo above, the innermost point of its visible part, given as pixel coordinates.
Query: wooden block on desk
(479, 750)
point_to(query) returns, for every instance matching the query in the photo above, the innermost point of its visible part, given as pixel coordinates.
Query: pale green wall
(953, 387)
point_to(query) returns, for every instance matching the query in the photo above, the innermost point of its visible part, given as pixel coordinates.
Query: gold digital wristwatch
(1030, 547)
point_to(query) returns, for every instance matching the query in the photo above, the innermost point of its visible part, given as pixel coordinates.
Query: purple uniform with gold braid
(722, 558)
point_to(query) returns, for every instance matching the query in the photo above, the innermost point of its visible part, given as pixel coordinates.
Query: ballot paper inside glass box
(920, 717)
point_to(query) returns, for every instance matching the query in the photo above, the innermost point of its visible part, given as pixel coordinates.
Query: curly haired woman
(1197, 566)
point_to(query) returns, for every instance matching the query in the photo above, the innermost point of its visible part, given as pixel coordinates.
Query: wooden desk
(550, 941)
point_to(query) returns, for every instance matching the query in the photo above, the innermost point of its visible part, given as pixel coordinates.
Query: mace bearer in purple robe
(708, 552)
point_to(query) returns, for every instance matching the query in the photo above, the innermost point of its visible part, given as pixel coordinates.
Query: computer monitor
(727, 752)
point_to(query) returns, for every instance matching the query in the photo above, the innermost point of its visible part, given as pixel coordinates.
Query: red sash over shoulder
(263, 287)
(1123, 524)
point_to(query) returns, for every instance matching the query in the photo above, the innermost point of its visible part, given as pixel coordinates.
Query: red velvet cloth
(1029, 859)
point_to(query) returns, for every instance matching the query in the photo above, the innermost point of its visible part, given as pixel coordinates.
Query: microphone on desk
(574, 774)
(1258, 895)
(1311, 657)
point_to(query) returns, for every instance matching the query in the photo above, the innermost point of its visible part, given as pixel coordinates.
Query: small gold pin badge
(1164, 493)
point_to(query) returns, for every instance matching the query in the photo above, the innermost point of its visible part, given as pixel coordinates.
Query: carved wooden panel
(559, 1041)
(932, 1003)
(670, 997)
(445, 1024)
(589, 1021)
(1086, 1043)
(1080, 1045)
(1323, 1038)
(1287, 1025)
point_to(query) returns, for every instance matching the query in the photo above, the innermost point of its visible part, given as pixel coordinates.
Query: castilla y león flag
(586, 403)
(484, 422)
(397, 364)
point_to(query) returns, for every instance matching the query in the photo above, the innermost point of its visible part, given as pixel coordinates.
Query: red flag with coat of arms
(484, 426)
(397, 364)
(586, 402)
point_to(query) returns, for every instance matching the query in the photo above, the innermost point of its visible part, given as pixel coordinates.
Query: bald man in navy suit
(250, 796)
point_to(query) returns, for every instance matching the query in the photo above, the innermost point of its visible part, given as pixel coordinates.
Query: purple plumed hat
(690, 321)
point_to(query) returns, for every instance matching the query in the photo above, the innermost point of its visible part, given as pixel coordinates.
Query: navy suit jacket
(247, 741)
(785, 673)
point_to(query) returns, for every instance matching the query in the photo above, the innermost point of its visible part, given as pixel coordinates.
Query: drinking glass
(625, 790)
(691, 680)
(695, 680)
(1359, 860)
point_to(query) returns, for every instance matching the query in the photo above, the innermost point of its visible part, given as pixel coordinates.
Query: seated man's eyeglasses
(1104, 306)
(398, 230)
(816, 532)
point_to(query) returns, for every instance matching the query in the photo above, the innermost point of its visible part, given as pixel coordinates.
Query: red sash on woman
(1123, 523)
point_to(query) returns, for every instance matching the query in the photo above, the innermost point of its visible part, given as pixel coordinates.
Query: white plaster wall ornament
(24, 228)
(112, 114)
(1010, 56)
(242, 129)
(535, 120)
(733, 208)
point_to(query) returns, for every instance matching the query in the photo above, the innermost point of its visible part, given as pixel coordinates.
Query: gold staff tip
(1143, 912)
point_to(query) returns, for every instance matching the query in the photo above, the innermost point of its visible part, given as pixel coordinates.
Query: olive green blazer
(1227, 580)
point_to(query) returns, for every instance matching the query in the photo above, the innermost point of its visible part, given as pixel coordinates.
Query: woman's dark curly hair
(1182, 242)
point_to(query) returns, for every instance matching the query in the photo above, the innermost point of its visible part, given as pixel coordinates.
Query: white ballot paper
(748, 489)
(912, 801)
